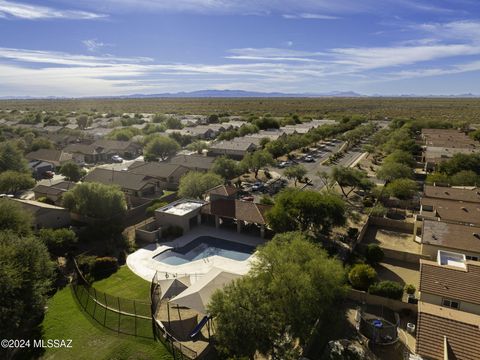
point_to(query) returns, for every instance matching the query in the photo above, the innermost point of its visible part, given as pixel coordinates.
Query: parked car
(117, 159)
(48, 174)
(284, 164)
(257, 186)
(248, 198)
(309, 158)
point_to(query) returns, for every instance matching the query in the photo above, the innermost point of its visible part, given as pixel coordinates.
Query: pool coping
(141, 262)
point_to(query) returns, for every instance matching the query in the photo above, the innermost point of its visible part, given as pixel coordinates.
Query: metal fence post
(118, 301)
(135, 317)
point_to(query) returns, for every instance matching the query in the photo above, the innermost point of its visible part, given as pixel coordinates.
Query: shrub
(378, 211)
(156, 204)
(374, 254)
(104, 267)
(172, 231)
(388, 289)
(410, 289)
(361, 276)
(58, 241)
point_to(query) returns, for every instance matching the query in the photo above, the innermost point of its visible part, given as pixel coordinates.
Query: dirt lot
(392, 239)
(400, 271)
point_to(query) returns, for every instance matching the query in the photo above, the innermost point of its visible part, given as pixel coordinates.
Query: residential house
(464, 194)
(445, 236)
(165, 175)
(53, 192)
(38, 168)
(103, 150)
(54, 157)
(132, 184)
(451, 211)
(444, 333)
(224, 209)
(451, 281)
(441, 144)
(46, 215)
(194, 162)
(236, 148)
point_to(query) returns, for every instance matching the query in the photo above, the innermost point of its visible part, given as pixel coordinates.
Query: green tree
(277, 304)
(276, 148)
(401, 157)
(374, 254)
(194, 184)
(403, 189)
(461, 162)
(99, 201)
(160, 147)
(350, 178)
(25, 279)
(40, 143)
(227, 168)
(306, 210)
(295, 172)
(58, 241)
(256, 160)
(437, 178)
(72, 171)
(198, 146)
(12, 182)
(475, 135)
(391, 171)
(11, 158)
(465, 178)
(14, 218)
(361, 276)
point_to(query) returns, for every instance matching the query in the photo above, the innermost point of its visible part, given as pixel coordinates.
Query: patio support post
(199, 219)
(262, 231)
(239, 226)
(217, 221)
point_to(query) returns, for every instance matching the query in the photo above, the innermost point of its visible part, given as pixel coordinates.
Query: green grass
(65, 319)
(124, 283)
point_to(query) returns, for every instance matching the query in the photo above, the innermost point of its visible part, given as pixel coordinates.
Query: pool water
(204, 247)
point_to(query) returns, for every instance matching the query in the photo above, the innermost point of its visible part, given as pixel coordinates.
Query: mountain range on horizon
(242, 94)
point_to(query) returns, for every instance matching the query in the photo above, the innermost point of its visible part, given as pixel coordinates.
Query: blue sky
(117, 47)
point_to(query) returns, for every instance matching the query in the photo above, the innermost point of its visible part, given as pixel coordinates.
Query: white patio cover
(198, 295)
(173, 286)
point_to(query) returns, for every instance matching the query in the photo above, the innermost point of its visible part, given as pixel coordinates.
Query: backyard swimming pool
(204, 247)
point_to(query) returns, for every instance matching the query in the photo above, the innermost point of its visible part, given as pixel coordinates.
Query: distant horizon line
(235, 93)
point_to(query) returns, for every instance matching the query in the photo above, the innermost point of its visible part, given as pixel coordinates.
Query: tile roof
(237, 209)
(193, 161)
(55, 189)
(235, 144)
(223, 190)
(461, 194)
(50, 155)
(451, 235)
(157, 169)
(438, 326)
(451, 282)
(124, 179)
(450, 210)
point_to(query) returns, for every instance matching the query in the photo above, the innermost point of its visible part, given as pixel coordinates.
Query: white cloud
(94, 45)
(36, 12)
(459, 30)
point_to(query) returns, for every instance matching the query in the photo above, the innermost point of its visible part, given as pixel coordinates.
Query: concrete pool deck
(141, 262)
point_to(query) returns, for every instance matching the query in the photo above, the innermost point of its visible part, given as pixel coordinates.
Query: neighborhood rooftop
(444, 333)
(450, 281)
(451, 235)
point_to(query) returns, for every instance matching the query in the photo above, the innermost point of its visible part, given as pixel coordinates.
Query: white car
(117, 159)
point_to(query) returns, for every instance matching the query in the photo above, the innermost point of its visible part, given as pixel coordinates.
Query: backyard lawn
(65, 319)
(124, 283)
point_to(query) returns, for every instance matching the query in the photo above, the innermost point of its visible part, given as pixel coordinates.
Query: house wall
(437, 300)
(395, 305)
(54, 218)
(432, 250)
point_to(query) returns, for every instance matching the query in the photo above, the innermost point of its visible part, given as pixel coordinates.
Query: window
(474, 258)
(450, 303)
